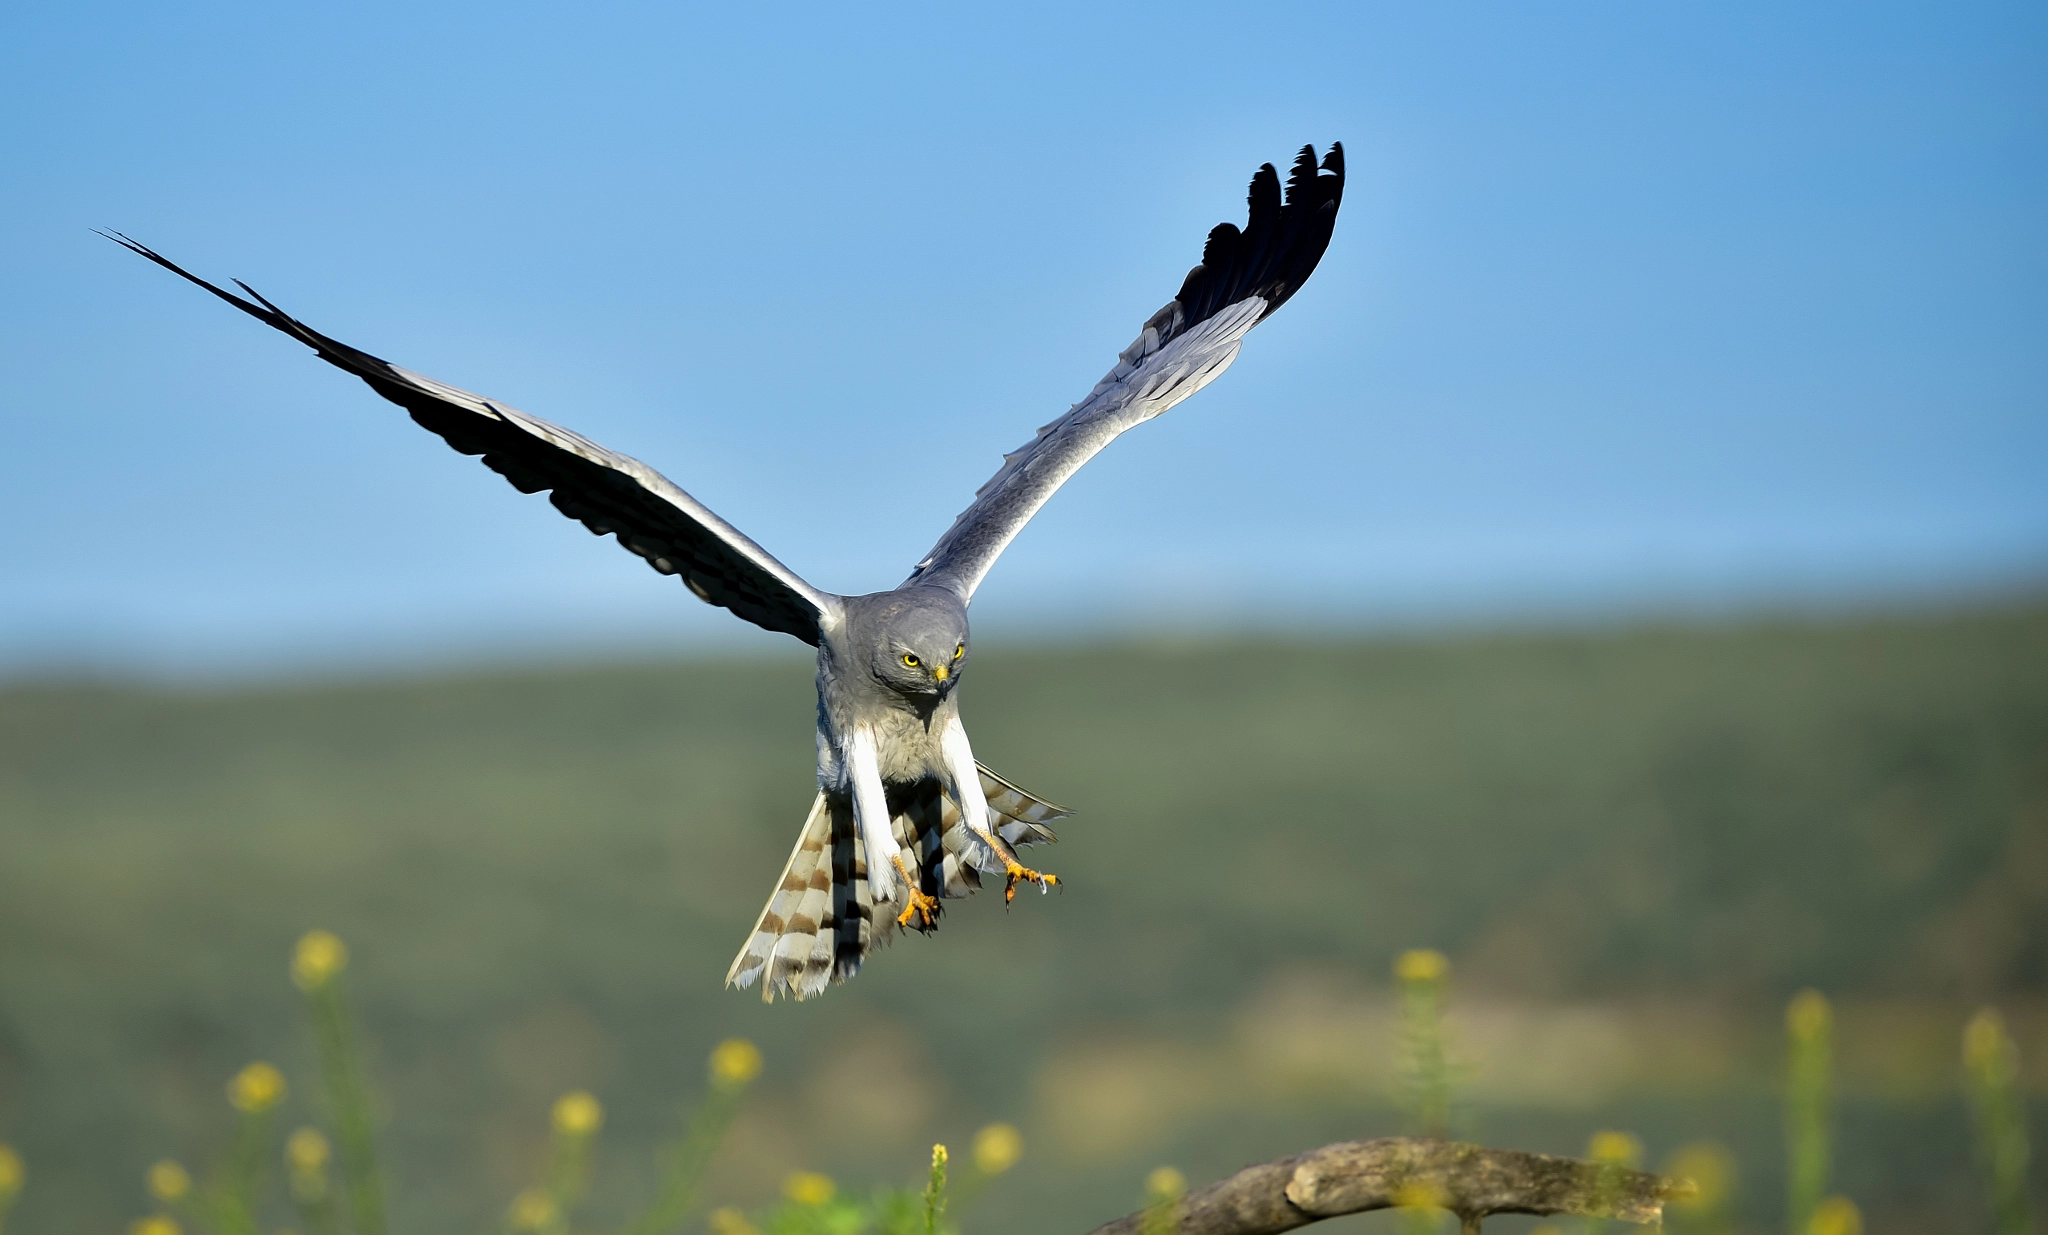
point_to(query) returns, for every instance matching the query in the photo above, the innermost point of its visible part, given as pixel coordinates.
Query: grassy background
(1634, 845)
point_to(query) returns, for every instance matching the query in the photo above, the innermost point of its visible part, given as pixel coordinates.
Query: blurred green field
(1634, 845)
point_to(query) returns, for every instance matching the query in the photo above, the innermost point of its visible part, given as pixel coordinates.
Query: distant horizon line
(542, 648)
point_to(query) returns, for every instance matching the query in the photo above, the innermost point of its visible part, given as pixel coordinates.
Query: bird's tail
(821, 921)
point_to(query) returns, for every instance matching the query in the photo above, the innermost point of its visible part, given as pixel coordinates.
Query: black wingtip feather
(1283, 239)
(265, 312)
(370, 368)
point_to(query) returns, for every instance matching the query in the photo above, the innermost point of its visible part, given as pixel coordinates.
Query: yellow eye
(909, 661)
(960, 651)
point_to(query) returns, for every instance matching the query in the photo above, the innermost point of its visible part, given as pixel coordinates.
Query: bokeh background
(1621, 568)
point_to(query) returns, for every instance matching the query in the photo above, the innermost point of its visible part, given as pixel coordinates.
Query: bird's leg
(871, 814)
(924, 909)
(974, 811)
(1014, 872)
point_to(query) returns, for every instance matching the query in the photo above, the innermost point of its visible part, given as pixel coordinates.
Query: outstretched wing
(1244, 276)
(608, 492)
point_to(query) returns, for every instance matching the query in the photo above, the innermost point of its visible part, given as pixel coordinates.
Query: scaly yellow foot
(1019, 873)
(925, 909)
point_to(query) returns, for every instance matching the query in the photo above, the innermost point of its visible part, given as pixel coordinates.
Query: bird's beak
(940, 672)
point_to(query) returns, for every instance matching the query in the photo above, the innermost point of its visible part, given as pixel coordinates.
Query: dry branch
(1469, 1180)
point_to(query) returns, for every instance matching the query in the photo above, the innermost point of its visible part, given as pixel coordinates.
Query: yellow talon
(1019, 873)
(924, 908)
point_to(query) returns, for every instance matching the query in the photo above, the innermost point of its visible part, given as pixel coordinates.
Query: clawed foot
(1018, 873)
(920, 912)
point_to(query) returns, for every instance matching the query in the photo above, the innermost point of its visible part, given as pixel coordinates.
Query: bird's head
(920, 646)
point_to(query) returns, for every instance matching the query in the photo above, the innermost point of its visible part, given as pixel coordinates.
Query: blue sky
(1632, 307)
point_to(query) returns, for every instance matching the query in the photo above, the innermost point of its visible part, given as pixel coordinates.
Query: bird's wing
(1244, 276)
(607, 491)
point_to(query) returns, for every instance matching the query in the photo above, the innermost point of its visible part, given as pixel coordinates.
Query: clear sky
(1632, 306)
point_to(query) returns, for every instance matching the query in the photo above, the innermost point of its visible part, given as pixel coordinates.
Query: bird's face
(922, 651)
(928, 666)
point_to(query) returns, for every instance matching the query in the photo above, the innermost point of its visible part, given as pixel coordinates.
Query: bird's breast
(907, 748)
(907, 742)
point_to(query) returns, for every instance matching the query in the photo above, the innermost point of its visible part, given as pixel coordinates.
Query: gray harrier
(904, 815)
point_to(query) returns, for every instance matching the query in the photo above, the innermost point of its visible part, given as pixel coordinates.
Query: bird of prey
(904, 816)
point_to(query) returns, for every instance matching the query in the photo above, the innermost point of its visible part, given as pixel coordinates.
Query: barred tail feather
(1021, 817)
(821, 923)
(787, 931)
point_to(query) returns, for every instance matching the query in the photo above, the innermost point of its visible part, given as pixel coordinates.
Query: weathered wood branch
(1469, 1180)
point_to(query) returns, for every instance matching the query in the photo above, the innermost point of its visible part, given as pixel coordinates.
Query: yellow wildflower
(809, 1188)
(1807, 1017)
(735, 1061)
(256, 1088)
(1986, 1049)
(730, 1221)
(938, 1156)
(155, 1224)
(168, 1181)
(997, 1148)
(1615, 1149)
(1710, 1168)
(1421, 965)
(578, 1114)
(1165, 1184)
(533, 1209)
(1837, 1215)
(319, 956)
(11, 1172)
(306, 1150)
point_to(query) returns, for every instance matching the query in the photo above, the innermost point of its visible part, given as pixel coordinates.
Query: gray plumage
(905, 816)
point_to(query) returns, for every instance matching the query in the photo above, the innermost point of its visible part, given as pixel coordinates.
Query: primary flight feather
(904, 816)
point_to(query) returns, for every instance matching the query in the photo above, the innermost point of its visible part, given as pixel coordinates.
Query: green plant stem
(1807, 1150)
(235, 1212)
(1992, 1072)
(568, 1169)
(687, 1162)
(348, 1097)
(935, 1195)
(315, 1200)
(1427, 1061)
